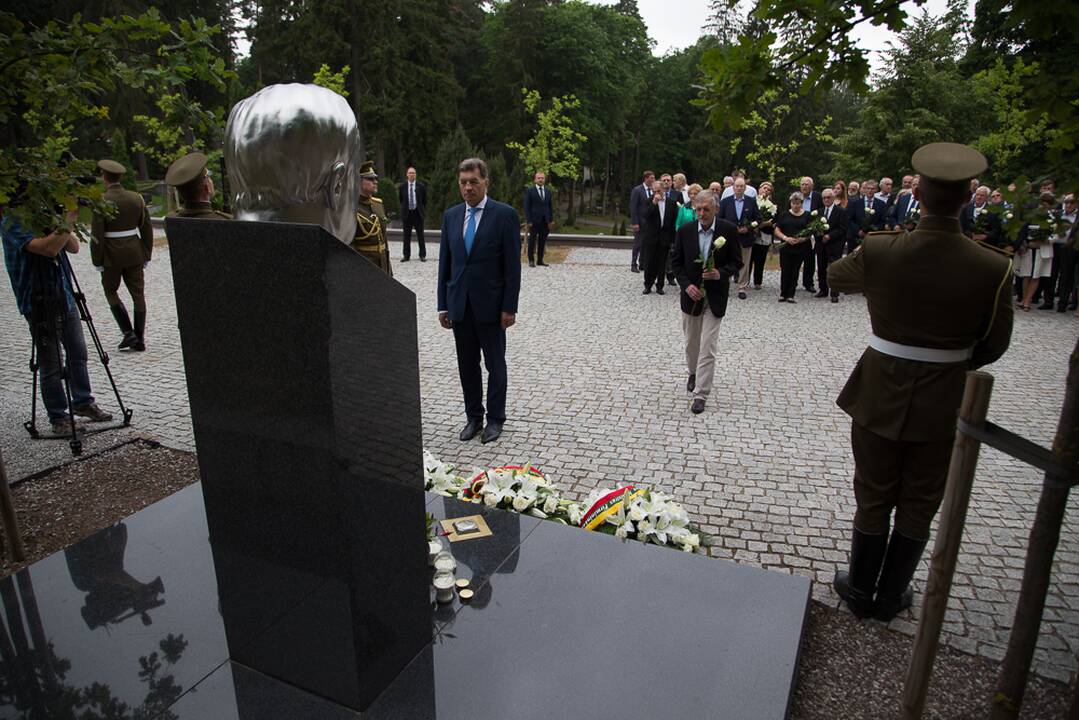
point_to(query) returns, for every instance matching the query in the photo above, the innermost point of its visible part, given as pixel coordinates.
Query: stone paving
(597, 398)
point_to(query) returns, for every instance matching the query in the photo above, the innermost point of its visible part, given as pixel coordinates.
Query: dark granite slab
(142, 591)
(303, 377)
(234, 692)
(586, 622)
(479, 559)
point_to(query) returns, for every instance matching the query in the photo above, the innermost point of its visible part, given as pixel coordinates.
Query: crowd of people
(812, 229)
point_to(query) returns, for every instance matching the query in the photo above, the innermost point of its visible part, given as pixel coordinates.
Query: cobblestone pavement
(597, 397)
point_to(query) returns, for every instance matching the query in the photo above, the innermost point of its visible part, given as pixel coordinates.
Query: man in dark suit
(867, 214)
(829, 247)
(413, 197)
(479, 281)
(639, 200)
(539, 212)
(904, 205)
(741, 210)
(812, 202)
(991, 230)
(657, 233)
(704, 291)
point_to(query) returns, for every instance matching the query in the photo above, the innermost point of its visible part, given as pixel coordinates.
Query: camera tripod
(48, 324)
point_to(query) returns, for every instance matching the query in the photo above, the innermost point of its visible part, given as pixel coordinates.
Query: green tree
(555, 144)
(327, 78)
(922, 97)
(442, 190)
(1018, 139)
(56, 76)
(772, 140)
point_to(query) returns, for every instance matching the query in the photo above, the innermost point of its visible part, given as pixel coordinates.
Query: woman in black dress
(796, 250)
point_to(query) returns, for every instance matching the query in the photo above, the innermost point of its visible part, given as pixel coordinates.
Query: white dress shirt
(478, 213)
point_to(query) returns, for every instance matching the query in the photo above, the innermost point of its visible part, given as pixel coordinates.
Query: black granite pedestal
(563, 622)
(302, 372)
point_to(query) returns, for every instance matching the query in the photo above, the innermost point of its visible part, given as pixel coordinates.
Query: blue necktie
(470, 230)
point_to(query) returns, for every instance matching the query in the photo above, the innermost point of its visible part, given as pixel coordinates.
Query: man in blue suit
(740, 210)
(479, 281)
(867, 214)
(904, 205)
(539, 211)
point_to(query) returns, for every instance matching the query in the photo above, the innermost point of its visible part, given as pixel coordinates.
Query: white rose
(871, 211)
(720, 242)
(550, 505)
(522, 502)
(753, 224)
(813, 213)
(575, 513)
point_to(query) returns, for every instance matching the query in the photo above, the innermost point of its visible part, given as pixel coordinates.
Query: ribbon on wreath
(607, 506)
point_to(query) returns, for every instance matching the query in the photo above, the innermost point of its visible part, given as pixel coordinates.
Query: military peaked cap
(948, 162)
(367, 170)
(111, 166)
(187, 169)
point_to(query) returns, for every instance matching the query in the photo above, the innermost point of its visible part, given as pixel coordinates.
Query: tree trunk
(141, 167)
(1044, 536)
(571, 211)
(606, 186)
(357, 61)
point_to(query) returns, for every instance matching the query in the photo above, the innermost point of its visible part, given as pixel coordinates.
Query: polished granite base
(565, 623)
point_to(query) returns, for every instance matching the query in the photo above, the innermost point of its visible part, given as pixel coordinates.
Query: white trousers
(700, 333)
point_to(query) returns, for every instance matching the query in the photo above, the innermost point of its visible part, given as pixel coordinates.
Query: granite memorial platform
(293, 581)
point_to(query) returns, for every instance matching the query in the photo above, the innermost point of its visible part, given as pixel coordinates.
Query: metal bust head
(292, 153)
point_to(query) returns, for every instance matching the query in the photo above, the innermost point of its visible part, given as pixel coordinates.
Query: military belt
(121, 233)
(919, 354)
(370, 245)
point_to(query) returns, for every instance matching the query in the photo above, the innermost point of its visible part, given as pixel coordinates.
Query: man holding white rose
(706, 256)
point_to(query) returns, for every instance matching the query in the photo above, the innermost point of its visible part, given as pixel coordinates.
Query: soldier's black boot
(893, 592)
(140, 331)
(124, 321)
(856, 586)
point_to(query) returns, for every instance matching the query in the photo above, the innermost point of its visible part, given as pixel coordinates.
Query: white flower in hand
(813, 213)
(754, 224)
(871, 211)
(720, 242)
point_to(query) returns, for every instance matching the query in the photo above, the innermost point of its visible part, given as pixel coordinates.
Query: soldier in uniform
(928, 329)
(195, 186)
(371, 221)
(120, 248)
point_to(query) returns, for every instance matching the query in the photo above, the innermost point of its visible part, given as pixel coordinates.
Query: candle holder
(444, 587)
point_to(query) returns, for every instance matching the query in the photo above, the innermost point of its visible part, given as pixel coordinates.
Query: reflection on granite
(303, 376)
(583, 613)
(234, 692)
(480, 558)
(80, 632)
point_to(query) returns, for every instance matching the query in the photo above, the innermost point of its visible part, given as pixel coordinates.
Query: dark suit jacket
(421, 197)
(817, 202)
(750, 214)
(728, 260)
(537, 210)
(639, 201)
(898, 212)
(856, 208)
(838, 227)
(489, 279)
(994, 228)
(652, 232)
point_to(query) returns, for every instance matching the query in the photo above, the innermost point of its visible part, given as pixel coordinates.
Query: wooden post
(1044, 535)
(1073, 710)
(7, 513)
(964, 462)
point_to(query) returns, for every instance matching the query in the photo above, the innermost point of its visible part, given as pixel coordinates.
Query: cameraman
(44, 297)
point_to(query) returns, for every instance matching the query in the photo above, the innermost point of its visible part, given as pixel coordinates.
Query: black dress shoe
(692, 382)
(646, 291)
(423, 258)
(404, 259)
(1061, 308)
(822, 294)
(741, 294)
(491, 432)
(542, 264)
(698, 406)
(531, 263)
(659, 291)
(634, 268)
(471, 429)
(1046, 306)
(835, 298)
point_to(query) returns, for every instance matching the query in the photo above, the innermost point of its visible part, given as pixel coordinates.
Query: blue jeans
(68, 327)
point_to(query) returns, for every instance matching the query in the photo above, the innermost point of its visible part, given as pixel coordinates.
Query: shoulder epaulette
(1007, 251)
(879, 233)
(376, 200)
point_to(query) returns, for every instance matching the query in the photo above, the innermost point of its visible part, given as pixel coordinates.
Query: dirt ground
(849, 668)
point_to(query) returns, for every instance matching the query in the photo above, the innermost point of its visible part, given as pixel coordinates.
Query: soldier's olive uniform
(370, 240)
(929, 328)
(201, 210)
(119, 248)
